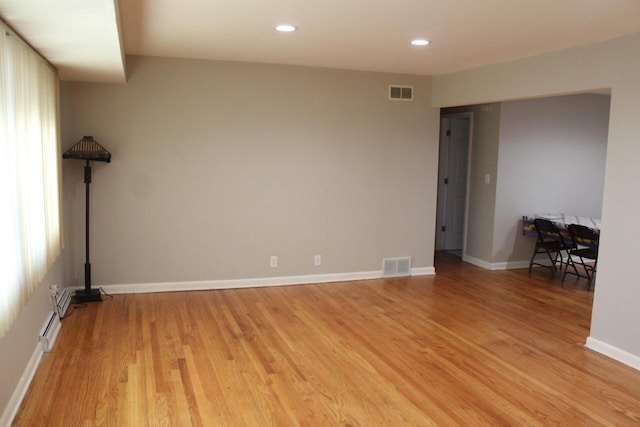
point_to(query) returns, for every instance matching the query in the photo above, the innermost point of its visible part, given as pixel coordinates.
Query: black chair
(587, 241)
(550, 242)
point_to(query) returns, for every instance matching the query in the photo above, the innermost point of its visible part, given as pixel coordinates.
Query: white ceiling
(79, 37)
(83, 38)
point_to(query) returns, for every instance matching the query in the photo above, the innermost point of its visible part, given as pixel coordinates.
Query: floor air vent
(49, 332)
(396, 267)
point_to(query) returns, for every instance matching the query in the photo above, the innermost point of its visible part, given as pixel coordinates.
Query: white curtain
(30, 235)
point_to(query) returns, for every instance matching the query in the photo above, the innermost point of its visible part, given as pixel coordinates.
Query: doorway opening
(453, 171)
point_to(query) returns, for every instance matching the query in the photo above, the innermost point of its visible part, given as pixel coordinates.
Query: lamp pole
(88, 294)
(87, 149)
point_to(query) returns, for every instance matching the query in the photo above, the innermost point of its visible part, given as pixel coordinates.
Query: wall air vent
(396, 267)
(400, 93)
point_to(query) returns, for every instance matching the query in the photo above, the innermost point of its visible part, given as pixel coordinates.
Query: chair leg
(589, 271)
(535, 252)
(572, 264)
(554, 261)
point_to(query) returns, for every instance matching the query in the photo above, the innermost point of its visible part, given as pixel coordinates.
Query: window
(30, 238)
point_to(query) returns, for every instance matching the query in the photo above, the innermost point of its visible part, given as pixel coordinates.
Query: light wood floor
(465, 347)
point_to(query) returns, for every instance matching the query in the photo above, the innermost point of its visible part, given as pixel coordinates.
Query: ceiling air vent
(400, 93)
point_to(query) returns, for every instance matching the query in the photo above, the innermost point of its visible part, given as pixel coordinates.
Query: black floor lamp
(87, 149)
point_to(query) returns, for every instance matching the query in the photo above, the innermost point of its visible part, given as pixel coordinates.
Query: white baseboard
(252, 283)
(613, 352)
(495, 265)
(238, 283)
(509, 265)
(423, 271)
(21, 389)
(477, 262)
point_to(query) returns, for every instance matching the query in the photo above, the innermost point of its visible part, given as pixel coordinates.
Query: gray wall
(613, 64)
(551, 159)
(217, 165)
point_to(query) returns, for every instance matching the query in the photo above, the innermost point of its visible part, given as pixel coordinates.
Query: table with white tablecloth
(562, 221)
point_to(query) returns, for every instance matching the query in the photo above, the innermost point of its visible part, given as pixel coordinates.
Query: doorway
(453, 167)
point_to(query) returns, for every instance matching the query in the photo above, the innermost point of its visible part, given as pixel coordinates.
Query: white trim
(615, 353)
(509, 265)
(252, 283)
(476, 261)
(239, 283)
(136, 288)
(20, 391)
(512, 265)
(423, 271)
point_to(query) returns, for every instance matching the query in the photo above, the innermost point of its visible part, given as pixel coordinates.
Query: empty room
(229, 213)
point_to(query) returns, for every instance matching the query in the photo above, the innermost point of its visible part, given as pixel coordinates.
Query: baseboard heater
(49, 331)
(63, 301)
(52, 325)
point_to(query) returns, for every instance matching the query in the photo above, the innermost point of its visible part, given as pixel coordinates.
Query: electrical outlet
(273, 262)
(317, 260)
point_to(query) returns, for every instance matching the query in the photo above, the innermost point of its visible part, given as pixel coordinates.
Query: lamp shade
(88, 149)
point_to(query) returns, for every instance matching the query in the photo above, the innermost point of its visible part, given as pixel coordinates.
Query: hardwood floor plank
(464, 347)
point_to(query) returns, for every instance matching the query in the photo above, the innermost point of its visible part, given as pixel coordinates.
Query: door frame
(442, 166)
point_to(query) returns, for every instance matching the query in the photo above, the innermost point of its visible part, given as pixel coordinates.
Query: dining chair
(551, 243)
(585, 253)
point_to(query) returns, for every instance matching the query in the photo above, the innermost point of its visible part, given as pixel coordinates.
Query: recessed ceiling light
(286, 28)
(420, 42)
